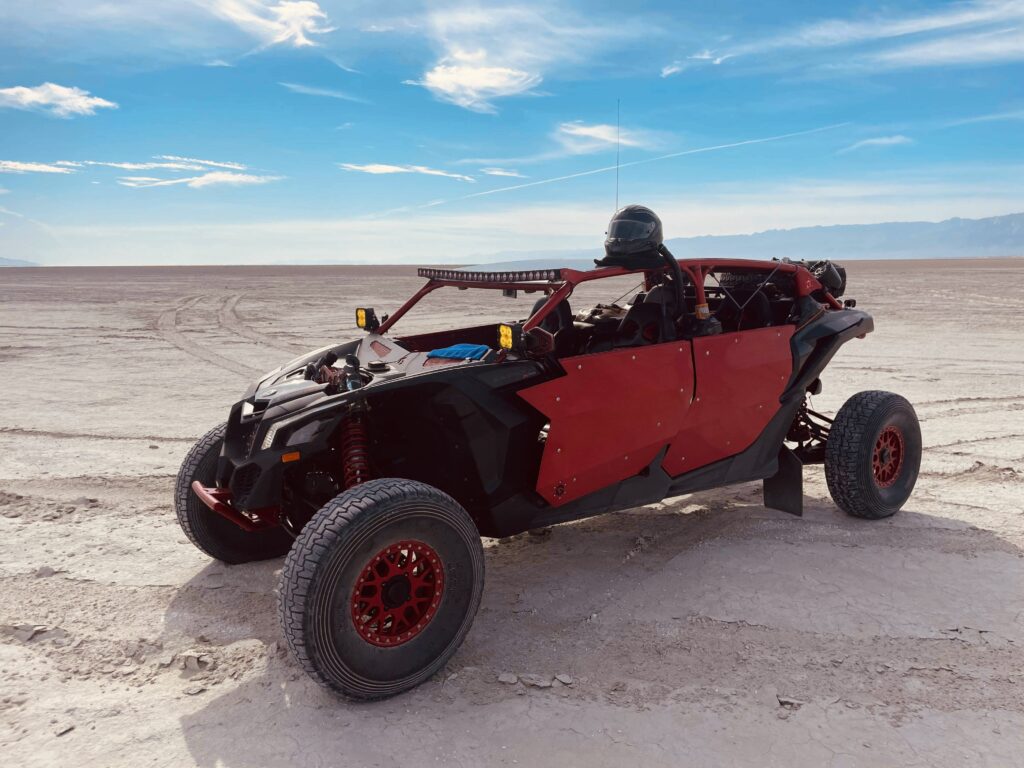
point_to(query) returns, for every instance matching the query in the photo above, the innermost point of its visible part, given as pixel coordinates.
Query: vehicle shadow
(644, 601)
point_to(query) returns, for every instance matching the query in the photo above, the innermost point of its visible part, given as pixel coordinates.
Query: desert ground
(704, 631)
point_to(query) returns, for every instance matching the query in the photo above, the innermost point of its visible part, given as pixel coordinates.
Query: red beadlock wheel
(887, 458)
(873, 454)
(381, 586)
(397, 593)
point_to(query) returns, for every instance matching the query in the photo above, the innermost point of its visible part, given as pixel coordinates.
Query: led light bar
(459, 275)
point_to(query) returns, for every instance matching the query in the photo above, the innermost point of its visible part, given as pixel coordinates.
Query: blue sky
(257, 131)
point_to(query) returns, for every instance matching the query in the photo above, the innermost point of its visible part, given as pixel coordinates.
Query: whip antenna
(617, 154)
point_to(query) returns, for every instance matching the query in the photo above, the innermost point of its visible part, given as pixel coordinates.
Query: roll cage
(558, 284)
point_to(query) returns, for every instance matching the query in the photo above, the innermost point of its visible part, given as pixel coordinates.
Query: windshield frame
(561, 282)
(558, 288)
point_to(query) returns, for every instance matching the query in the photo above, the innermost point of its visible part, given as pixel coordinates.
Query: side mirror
(538, 342)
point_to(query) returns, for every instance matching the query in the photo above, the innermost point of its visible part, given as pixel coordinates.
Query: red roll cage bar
(559, 283)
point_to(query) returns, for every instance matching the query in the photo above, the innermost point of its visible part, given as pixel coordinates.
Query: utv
(376, 465)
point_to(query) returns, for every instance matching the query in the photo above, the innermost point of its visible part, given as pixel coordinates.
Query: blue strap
(461, 352)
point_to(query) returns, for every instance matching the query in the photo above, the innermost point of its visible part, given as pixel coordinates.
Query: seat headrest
(643, 323)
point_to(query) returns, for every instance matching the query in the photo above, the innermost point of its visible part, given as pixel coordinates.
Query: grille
(242, 483)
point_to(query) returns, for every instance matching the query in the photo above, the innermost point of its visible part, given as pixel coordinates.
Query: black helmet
(633, 231)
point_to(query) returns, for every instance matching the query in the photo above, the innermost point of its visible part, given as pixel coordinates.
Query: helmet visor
(628, 229)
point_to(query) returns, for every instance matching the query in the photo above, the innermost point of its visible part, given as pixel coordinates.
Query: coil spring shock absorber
(355, 450)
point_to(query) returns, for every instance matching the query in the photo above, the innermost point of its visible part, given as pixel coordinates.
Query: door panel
(740, 377)
(610, 415)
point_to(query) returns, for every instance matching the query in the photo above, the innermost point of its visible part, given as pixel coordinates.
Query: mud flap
(784, 490)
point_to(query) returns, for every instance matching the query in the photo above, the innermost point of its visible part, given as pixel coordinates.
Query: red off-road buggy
(376, 465)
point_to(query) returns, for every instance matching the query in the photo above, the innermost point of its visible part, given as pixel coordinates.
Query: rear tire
(216, 536)
(381, 588)
(873, 454)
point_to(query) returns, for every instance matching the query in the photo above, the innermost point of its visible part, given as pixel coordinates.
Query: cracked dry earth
(707, 630)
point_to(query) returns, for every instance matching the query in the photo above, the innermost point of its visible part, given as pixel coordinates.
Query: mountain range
(952, 238)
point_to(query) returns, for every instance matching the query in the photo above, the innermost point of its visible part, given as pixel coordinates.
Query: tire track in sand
(167, 325)
(228, 318)
(90, 435)
(974, 441)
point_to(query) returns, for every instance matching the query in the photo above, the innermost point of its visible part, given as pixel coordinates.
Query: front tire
(219, 538)
(381, 588)
(873, 454)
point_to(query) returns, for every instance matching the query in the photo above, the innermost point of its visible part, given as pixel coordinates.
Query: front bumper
(219, 500)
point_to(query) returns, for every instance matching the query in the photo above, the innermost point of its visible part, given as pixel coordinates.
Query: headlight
(268, 439)
(302, 434)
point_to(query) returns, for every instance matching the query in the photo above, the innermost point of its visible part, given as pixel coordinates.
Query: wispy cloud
(59, 100)
(962, 33)
(837, 32)
(197, 161)
(213, 178)
(579, 138)
(128, 166)
(343, 66)
(704, 57)
(213, 172)
(15, 166)
(992, 117)
(616, 167)
(330, 93)
(878, 141)
(289, 22)
(490, 53)
(997, 46)
(502, 172)
(387, 168)
(464, 78)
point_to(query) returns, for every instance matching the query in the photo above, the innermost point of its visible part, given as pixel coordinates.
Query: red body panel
(610, 415)
(613, 412)
(740, 377)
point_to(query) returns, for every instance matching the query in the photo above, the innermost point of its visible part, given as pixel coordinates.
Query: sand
(707, 630)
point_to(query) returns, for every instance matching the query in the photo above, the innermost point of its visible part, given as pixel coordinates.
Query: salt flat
(681, 624)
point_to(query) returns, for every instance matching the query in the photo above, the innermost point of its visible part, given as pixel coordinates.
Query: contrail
(609, 168)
